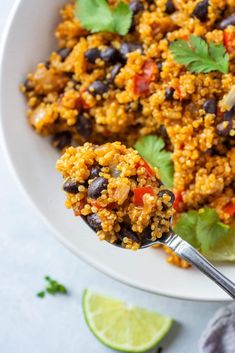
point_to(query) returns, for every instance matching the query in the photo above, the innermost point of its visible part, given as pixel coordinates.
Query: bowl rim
(21, 187)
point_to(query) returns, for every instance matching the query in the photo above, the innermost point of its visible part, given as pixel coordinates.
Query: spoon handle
(191, 255)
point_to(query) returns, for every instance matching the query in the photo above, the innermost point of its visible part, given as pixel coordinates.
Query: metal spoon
(191, 255)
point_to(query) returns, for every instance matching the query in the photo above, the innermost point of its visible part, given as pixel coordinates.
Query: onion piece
(228, 101)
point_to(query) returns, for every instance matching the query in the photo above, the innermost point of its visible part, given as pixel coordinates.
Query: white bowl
(29, 39)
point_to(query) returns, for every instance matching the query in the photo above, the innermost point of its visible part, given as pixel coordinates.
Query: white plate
(28, 39)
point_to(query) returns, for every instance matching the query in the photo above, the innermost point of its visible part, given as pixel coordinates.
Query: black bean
(134, 106)
(163, 132)
(229, 21)
(94, 221)
(28, 85)
(84, 126)
(47, 64)
(210, 106)
(169, 94)
(169, 193)
(96, 187)
(98, 87)
(211, 151)
(146, 235)
(70, 75)
(136, 6)
(224, 128)
(170, 7)
(110, 55)
(115, 71)
(92, 54)
(127, 48)
(201, 10)
(127, 233)
(230, 114)
(159, 65)
(64, 53)
(61, 140)
(95, 171)
(71, 186)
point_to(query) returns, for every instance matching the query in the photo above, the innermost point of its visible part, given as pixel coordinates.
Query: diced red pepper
(229, 41)
(139, 194)
(178, 200)
(230, 209)
(150, 69)
(149, 170)
(141, 82)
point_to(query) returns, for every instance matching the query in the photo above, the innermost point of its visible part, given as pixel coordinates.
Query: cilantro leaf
(151, 148)
(209, 229)
(53, 287)
(186, 228)
(98, 15)
(122, 18)
(199, 56)
(202, 230)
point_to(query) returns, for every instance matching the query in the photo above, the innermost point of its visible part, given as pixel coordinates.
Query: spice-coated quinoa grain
(137, 70)
(123, 201)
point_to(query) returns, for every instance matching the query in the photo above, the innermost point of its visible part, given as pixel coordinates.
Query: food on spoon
(117, 192)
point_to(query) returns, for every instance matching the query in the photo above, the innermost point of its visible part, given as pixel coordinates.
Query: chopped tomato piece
(230, 209)
(141, 82)
(139, 194)
(178, 200)
(147, 167)
(229, 41)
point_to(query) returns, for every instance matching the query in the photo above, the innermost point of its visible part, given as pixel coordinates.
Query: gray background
(28, 252)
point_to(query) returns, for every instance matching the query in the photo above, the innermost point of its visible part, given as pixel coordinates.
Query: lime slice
(225, 249)
(122, 327)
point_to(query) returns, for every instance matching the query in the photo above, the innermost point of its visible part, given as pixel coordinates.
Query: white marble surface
(28, 251)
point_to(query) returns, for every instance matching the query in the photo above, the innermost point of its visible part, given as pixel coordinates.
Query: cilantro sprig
(202, 229)
(199, 56)
(98, 15)
(53, 287)
(151, 148)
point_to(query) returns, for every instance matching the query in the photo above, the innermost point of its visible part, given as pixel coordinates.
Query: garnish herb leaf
(122, 16)
(199, 56)
(151, 148)
(98, 15)
(209, 229)
(53, 287)
(202, 229)
(186, 228)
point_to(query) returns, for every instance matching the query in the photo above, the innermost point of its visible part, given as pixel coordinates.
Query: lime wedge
(122, 327)
(225, 249)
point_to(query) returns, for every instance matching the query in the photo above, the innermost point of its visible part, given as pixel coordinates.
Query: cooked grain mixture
(104, 86)
(117, 193)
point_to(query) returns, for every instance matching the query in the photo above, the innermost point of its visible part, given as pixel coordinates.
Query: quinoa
(120, 197)
(76, 96)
